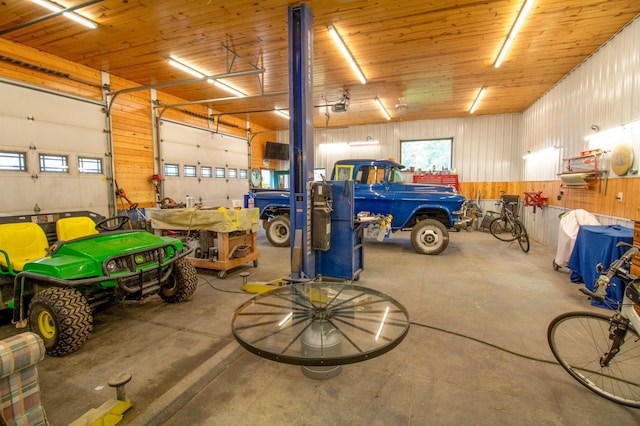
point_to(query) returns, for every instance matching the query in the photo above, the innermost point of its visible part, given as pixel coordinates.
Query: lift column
(301, 151)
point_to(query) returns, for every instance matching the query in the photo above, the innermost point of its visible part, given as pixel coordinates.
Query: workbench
(226, 237)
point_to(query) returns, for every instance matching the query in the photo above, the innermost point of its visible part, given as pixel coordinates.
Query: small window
(171, 170)
(189, 171)
(244, 174)
(206, 172)
(219, 172)
(232, 173)
(13, 161)
(90, 165)
(54, 163)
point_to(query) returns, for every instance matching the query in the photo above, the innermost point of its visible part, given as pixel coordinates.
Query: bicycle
(600, 351)
(507, 226)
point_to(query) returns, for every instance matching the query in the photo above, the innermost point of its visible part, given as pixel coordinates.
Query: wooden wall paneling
(132, 135)
(81, 80)
(592, 200)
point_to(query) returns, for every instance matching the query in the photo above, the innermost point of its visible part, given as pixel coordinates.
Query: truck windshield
(395, 176)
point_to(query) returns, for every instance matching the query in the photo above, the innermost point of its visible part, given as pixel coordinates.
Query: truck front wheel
(429, 236)
(182, 282)
(62, 317)
(278, 231)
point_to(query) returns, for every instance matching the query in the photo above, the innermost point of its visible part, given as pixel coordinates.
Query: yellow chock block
(108, 414)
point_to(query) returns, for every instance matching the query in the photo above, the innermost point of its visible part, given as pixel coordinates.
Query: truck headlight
(112, 266)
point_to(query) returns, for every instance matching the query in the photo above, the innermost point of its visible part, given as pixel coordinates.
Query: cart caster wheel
(222, 275)
(255, 263)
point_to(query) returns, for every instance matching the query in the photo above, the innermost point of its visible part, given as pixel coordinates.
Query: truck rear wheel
(181, 284)
(62, 317)
(277, 231)
(429, 236)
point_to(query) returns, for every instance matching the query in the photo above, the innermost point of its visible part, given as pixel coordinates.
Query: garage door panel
(60, 126)
(186, 145)
(21, 102)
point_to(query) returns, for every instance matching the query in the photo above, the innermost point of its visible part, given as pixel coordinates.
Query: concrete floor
(188, 370)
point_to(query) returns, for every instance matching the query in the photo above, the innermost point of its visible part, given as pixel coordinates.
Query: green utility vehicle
(56, 269)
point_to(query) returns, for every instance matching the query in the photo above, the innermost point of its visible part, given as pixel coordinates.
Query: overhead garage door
(52, 152)
(199, 163)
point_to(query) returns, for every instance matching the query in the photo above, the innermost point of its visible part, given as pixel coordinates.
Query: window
(219, 172)
(244, 174)
(232, 173)
(319, 174)
(427, 154)
(343, 172)
(90, 165)
(205, 172)
(13, 161)
(370, 174)
(189, 171)
(54, 163)
(171, 170)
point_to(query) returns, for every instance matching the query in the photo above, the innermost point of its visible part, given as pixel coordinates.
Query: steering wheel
(112, 223)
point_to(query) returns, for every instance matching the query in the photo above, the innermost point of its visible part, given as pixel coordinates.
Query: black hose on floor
(500, 348)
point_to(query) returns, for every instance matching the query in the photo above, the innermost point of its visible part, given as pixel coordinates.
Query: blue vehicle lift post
(301, 153)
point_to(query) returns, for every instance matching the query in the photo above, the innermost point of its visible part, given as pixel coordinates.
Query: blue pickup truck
(428, 211)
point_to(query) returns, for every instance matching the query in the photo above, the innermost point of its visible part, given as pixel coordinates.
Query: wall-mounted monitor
(276, 151)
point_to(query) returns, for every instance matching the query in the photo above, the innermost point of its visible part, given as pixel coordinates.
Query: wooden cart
(227, 238)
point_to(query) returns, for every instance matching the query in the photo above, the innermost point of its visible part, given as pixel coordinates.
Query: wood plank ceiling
(432, 56)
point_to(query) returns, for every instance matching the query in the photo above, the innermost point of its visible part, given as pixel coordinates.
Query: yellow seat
(70, 228)
(21, 243)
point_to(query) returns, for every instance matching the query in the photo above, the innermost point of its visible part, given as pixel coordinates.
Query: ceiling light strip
(382, 108)
(478, 99)
(70, 15)
(347, 54)
(514, 31)
(281, 113)
(190, 70)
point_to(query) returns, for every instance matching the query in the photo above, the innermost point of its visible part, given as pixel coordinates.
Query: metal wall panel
(190, 145)
(485, 148)
(35, 121)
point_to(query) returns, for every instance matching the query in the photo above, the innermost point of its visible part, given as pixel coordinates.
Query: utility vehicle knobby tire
(429, 236)
(182, 282)
(278, 231)
(62, 317)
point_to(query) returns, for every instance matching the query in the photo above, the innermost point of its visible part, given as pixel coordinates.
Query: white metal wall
(485, 148)
(41, 122)
(189, 145)
(603, 91)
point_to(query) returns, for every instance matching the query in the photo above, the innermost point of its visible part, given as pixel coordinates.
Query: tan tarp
(218, 220)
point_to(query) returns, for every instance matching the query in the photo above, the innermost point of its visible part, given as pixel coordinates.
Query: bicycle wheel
(579, 339)
(521, 235)
(501, 229)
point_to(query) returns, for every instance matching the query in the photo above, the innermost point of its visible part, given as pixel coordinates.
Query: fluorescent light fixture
(346, 53)
(228, 88)
(540, 153)
(514, 31)
(605, 133)
(334, 146)
(281, 113)
(363, 143)
(478, 99)
(71, 15)
(632, 125)
(382, 108)
(176, 63)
